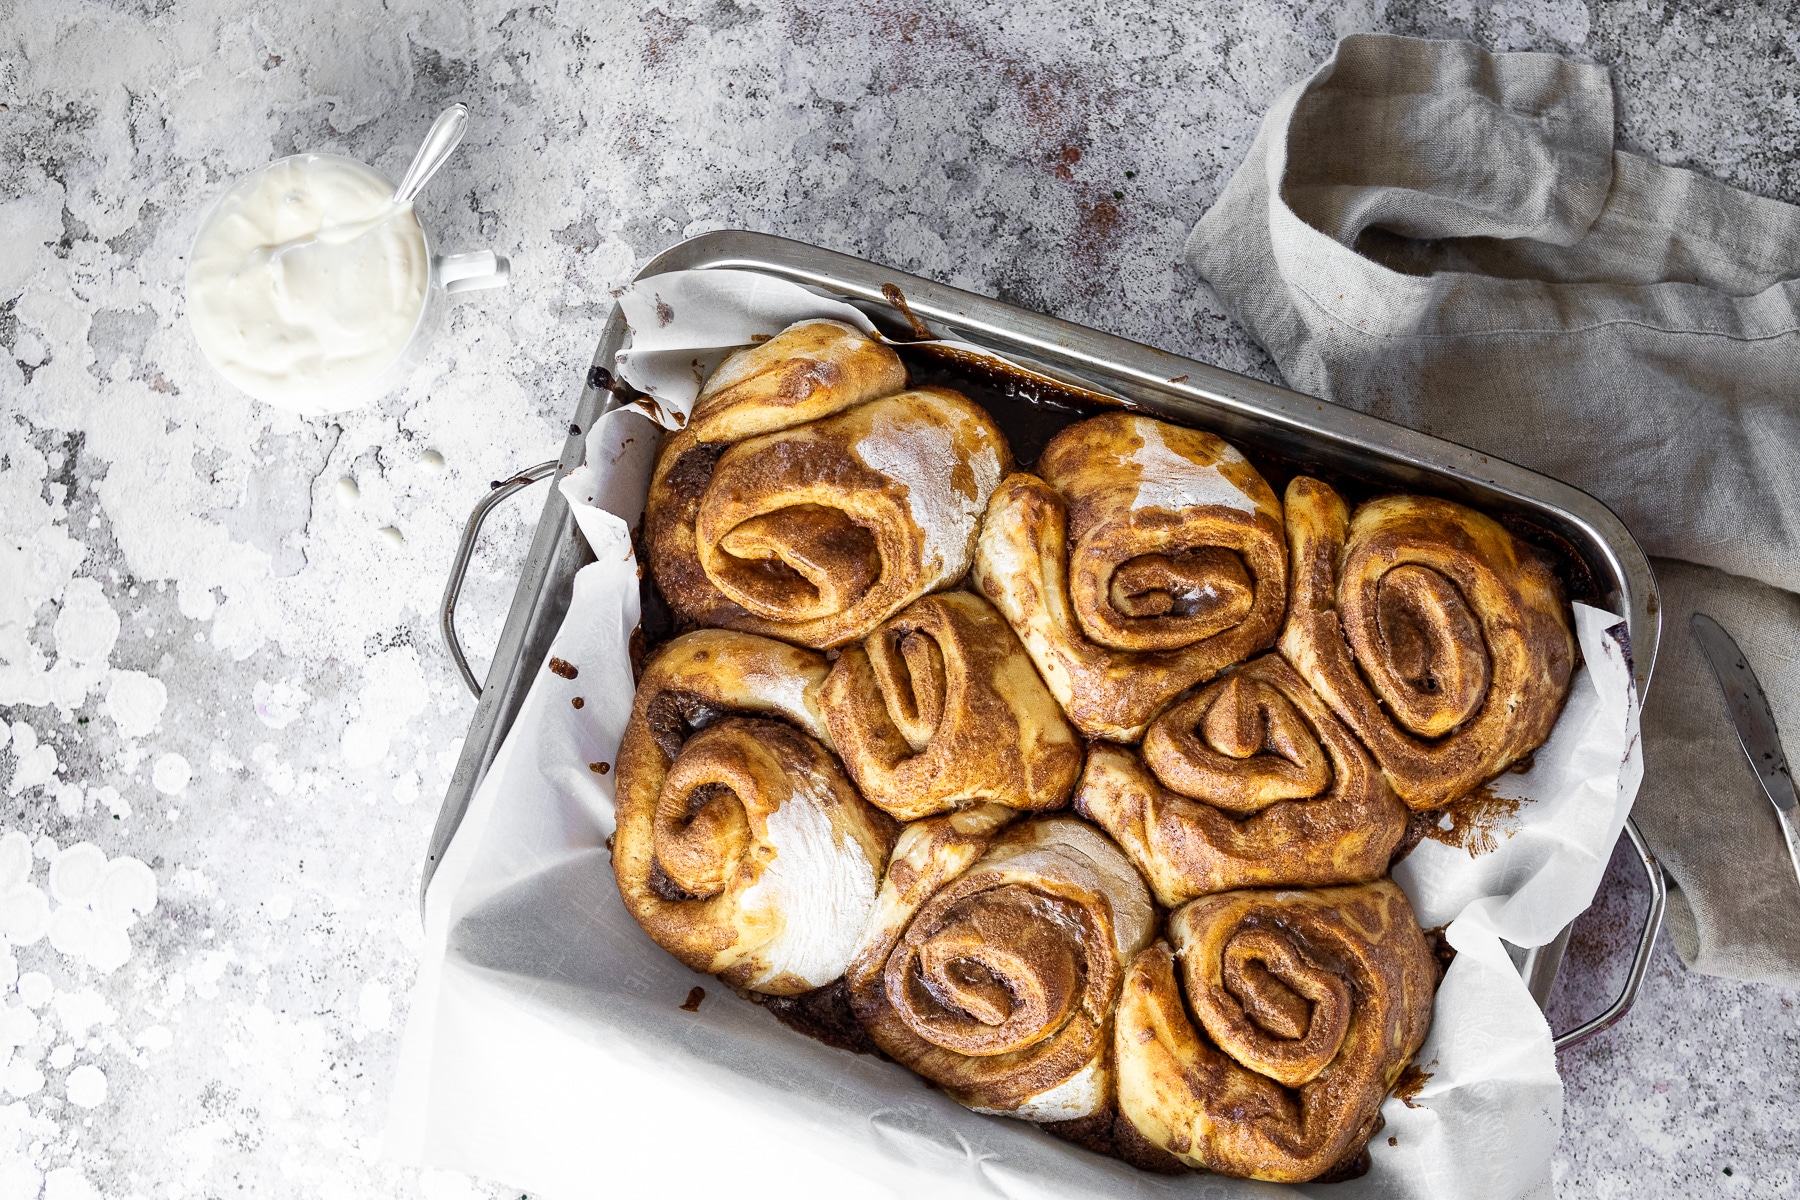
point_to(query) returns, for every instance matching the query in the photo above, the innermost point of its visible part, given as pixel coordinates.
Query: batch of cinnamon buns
(1080, 785)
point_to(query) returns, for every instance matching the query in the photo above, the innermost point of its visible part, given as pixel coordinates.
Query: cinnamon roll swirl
(816, 531)
(992, 967)
(941, 706)
(1431, 631)
(1251, 782)
(1147, 558)
(1293, 1017)
(742, 849)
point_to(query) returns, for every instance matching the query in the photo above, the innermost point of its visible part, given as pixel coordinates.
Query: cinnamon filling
(1240, 745)
(993, 973)
(1432, 667)
(797, 563)
(700, 829)
(1282, 1014)
(673, 717)
(1163, 601)
(909, 669)
(700, 836)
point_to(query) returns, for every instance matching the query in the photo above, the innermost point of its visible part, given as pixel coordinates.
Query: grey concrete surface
(274, 721)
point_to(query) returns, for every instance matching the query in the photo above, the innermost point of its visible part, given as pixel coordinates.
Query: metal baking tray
(1257, 416)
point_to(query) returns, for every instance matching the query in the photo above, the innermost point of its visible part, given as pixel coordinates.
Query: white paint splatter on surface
(135, 702)
(375, 1007)
(393, 692)
(86, 628)
(982, 145)
(170, 775)
(68, 1183)
(35, 989)
(86, 1086)
(24, 909)
(75, 873)
(34, 765)
(279, 705)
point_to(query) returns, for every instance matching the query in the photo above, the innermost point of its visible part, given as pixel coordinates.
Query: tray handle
(1640, 959)
(501, 490)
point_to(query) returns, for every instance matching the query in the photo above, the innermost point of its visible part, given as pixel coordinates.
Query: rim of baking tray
(1227, 403)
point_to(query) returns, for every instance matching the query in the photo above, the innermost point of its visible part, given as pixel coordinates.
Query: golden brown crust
(742, 848)
(1147, 558)
(684, 466)
(992, 967)
(1250, 782)
(1294, 1015)
(818, 533)
(1431, 631)
(941, 707)
(809, 370)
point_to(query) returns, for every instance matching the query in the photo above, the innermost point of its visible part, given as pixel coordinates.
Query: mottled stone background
(273, 723)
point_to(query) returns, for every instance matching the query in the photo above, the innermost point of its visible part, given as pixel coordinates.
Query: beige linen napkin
(1447, 238)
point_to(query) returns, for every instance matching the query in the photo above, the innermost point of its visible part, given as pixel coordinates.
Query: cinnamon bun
(1431, 631)
(940, 707)
(1147, 558)
(992, 966)
(742, 848)
(1250, 782)
(1292, 1019)
(817, 528)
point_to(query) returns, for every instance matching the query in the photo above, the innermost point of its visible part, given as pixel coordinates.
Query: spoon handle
(445, 133)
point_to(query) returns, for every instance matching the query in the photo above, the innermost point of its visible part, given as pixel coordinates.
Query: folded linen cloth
(1446, 238)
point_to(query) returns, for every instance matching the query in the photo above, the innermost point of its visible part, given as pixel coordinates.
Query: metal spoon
(445, 133)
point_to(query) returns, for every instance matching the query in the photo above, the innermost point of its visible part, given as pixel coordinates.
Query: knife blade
(1754, 720)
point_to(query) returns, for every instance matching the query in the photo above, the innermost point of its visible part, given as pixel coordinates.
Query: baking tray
(1261, 417)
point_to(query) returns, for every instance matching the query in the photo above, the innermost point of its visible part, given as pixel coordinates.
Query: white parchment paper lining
(545, 1047)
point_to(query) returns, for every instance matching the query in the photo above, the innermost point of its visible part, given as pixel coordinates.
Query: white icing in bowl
(306, 284)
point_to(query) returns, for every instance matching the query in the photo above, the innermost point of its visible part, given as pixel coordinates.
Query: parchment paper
(546, 1047)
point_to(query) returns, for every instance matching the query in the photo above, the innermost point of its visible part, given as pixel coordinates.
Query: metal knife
(1754, 721)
